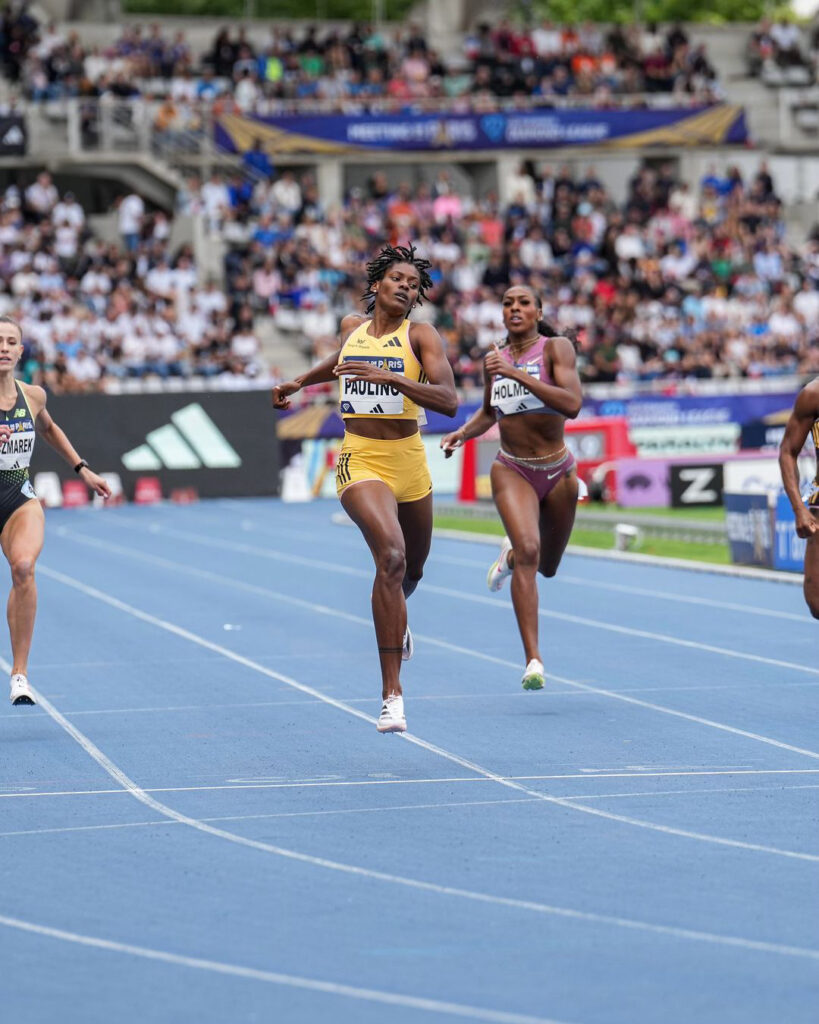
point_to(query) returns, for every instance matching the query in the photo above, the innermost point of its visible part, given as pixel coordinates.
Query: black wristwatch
(82, 464)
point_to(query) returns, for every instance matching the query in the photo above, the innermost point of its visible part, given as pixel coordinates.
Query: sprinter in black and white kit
(22, 413)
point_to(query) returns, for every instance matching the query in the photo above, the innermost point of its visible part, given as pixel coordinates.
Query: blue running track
(199, 824)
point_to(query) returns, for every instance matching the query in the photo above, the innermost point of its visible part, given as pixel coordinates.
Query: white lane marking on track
(271, 815)
(642, 634)
(392, 808)
(407, 781)
(18, 795)
(564, 912)
(272, 977)
(432, 748)
(622, 588)
(469, 652)
(661, 595)
(495, 602)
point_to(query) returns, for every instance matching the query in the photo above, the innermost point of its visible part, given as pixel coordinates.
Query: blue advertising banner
(691, 410)
(748, 526)
(789, 550)
(537, 129)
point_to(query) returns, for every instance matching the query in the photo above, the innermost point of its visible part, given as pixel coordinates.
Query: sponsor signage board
(789, 549)
(718, 439)
(220, 443)
(749, 528)
(696, 485)
(13, 135)
(749, 475)
(642, 483)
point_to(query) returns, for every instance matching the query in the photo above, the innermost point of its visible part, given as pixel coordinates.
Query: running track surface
(201, 824)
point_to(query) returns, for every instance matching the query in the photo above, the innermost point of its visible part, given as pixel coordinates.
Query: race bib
(365, 397)
(509, 396)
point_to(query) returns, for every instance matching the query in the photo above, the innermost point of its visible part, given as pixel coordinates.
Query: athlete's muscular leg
(372, 507)
(415, 518)
(811, 585)
(22, 542)
(518, 507)
(556, 521)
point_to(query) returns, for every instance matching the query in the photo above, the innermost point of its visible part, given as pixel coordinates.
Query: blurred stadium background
(189, 199)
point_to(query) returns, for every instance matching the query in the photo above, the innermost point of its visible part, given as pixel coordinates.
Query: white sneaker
(408, 646)
(21, 692)
(392, 717)
(500, 568)
(534, 678)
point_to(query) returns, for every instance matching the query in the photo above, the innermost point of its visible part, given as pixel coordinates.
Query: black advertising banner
(696, 484)
(221, 443)
(13, 135)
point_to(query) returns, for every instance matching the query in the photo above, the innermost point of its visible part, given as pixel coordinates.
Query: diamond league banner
(719, 124)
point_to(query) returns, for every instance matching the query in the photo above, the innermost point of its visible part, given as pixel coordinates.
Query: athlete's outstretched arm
(565, 395)
(805, 412)
(439, 394)
(56, 437)
(321, 373)
(478, 423)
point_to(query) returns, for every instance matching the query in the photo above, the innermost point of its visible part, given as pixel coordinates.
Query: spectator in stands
(130, 213)
(256, 161)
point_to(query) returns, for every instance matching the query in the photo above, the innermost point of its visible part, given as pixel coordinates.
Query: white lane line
(432, 748)
(275, 978)
(641, 634)
(507, 695)
(662, 595)
(401, 880)
(271, 815)
(393, 808)
(21, 795)
(494, 602)
(321, 609)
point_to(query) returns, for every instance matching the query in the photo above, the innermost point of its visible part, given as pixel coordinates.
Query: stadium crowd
(359, 68)
(675, 283)
(780, 53)
(92, 312)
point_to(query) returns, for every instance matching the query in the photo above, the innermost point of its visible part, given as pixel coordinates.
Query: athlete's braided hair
(377, 268)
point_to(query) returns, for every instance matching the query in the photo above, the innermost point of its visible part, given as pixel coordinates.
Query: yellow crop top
(392, 352)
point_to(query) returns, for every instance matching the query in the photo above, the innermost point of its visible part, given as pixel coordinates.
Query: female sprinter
(531, 387)
(22, 411)
(389, 370)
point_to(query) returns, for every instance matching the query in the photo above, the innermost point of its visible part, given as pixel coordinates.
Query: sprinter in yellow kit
(389, 370)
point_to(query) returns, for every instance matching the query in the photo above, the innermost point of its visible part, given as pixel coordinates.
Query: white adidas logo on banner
(13, 137)
(191, 440)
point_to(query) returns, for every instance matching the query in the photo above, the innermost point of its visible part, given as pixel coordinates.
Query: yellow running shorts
(400, 464)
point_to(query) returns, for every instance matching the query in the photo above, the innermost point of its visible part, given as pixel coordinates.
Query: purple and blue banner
(749, 526)
(719, 124)
(789, 549)
(693, 410)
(708, 413)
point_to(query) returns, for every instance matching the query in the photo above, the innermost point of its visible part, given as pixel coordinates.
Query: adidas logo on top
(190, 441)
(377, 408)
(392, 343)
